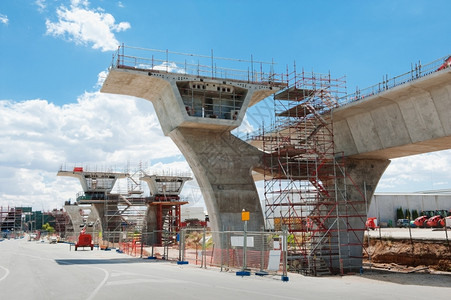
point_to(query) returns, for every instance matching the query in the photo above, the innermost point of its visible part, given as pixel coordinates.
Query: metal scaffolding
(10, 219)
(165, 204)
(304, 178)
(125, 211)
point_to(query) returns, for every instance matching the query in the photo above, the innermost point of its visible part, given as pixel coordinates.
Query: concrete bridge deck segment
(94, 184)
(409, 119)
(412, 118)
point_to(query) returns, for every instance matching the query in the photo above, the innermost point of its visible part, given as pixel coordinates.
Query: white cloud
(41, 5)
(244, 129)
(83, 25)
(417, 173)
(99, 131)
(100, 79)
(4, 19)
(165, 66)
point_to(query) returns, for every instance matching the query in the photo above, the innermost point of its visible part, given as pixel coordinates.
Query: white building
(384, 205)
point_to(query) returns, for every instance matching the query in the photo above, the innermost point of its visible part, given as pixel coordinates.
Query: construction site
(113, 216)
(313, 188)
(305, 180)
(314, 212)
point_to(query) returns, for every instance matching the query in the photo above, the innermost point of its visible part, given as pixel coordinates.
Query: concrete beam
(409, 119)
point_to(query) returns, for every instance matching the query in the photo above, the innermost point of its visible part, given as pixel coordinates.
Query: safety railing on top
(251, 71)
(417, 71)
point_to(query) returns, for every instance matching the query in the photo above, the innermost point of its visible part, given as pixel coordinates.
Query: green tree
(399, 213)
(407, 214)
(414, 214)
(48, 228)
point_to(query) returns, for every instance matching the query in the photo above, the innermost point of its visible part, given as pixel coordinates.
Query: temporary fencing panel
(260, 251)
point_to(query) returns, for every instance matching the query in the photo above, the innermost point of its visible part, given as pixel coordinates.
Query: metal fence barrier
(261, 253)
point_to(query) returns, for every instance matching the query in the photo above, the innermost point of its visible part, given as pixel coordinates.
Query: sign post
(245, 216)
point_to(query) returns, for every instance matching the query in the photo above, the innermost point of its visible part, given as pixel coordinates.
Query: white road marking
(100, 284)
(143, 280)
(6, 273)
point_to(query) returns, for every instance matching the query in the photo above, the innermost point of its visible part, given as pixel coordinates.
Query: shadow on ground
(423, 279)
(103, 261)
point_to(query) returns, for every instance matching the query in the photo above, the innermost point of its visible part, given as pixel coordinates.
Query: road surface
(35, 270)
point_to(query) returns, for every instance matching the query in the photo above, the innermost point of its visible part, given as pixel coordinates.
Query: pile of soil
(409, 255)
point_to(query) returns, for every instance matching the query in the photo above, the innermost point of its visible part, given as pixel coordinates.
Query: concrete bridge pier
(355, 192)
(97, 188)
(110, 221)
(150, 226)
(78, 220)
(163, 209)
(198, 114)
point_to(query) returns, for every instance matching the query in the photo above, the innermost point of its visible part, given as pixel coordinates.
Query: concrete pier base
(110, 221)
(358, 187)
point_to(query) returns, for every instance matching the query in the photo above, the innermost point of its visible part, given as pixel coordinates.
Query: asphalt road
(34, 270)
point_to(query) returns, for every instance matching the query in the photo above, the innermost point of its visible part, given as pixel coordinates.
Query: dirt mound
(432, 254)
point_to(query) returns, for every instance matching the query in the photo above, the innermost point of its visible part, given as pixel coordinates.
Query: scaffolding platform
(304, 178)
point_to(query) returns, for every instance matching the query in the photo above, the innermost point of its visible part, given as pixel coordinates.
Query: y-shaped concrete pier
(198, 114)
(96, 187)
(164, 211)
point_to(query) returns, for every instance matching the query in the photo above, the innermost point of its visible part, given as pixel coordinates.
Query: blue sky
(54, 55)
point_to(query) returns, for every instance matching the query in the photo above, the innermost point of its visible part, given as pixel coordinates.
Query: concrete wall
(383, 206)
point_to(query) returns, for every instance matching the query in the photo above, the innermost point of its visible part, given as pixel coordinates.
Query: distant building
(384, 205)
(10, 218)
(24, 218)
